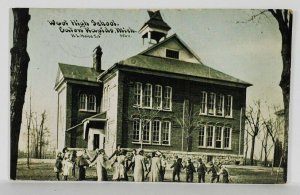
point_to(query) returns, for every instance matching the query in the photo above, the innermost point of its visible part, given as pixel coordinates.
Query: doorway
(96, 141)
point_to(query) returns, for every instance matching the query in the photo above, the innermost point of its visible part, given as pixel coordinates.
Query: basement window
(172, 54)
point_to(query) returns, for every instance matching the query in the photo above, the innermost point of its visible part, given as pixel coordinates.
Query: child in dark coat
(177, 166)
(58, 165)
(201, 170)
(190, 169)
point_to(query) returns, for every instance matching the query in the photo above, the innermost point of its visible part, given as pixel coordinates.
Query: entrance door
(96, 141)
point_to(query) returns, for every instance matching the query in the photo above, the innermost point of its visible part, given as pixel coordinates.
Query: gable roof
(178, 67)
(76, 72)
(174, 36)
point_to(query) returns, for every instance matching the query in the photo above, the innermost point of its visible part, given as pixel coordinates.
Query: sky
(249, 51)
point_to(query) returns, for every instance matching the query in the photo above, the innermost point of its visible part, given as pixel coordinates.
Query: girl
(121, 167)
(100, 163)
(139, 166)
(66, 166)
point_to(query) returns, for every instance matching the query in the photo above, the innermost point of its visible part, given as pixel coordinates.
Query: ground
(43, 170)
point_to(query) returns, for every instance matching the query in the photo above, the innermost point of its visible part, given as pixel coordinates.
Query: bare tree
(18, 83)
(39, 134)
(188, 122)
(42, 133)
(253, 117)
(264, 146)
(284, 18)
(246, 146)
(28, 125)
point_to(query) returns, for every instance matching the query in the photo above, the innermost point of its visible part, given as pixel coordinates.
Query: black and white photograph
(150, 95)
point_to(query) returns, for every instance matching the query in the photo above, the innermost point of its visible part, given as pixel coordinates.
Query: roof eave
(240, 84)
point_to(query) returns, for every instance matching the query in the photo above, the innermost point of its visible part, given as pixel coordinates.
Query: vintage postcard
(191, 95)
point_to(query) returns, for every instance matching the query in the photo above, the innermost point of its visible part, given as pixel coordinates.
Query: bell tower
(155, 29)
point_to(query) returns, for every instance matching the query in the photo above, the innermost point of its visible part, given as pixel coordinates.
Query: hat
(139, 151)
(101, 151)
(158, 153)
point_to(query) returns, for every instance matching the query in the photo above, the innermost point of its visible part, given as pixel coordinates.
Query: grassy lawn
(43, 170)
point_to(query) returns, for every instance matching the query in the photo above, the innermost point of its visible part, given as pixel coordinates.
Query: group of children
(151, 167)
(218, 172)
(66, 162)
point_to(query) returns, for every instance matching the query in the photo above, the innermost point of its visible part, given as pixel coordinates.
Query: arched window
(227, 137)
(147, 96)
(146, 131)
(168, 98)
(82, 101)
(156, 132)
(91, 104)
(136, 130)
(202, 135)
(87, 102)
(166, 132)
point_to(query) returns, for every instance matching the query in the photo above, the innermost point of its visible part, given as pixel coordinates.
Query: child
(163, 167)
(66, 166)
(201, 169)
(58, 165)
(83, 163)
(224, 172)
(73, 161)
(177, 166)
(190, 169)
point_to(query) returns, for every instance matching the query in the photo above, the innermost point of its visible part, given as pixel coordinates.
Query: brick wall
(74, 117)
(182, 90)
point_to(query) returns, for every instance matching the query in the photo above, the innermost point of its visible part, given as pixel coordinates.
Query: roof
(156, 20)
(97, 117)
(178, 67)
(76, 72)
(174, 36)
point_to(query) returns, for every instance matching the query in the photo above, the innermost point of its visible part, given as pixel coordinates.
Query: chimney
(97, 58)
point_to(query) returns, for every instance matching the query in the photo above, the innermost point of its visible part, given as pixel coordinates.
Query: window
(156, 131)
(211, 103)
(203, 109)
(228, 106)
(210, 135)
(166, 130)
(136, 130)
(151, 132)
(201, 135)
(92, 103)
(146, 131)
(218, 138)
(220, 105)
(172, 54)
(87, 102)
(168, 98)
(138, 94)
(158, 97)
(227, 135)
(216, 104)
(147, 98)
(82, 101)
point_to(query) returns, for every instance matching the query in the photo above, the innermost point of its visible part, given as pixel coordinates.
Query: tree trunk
(18, 83)
(266, 149)
(252, 150)
(246, 149)
(285, 23)
(286, 34)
